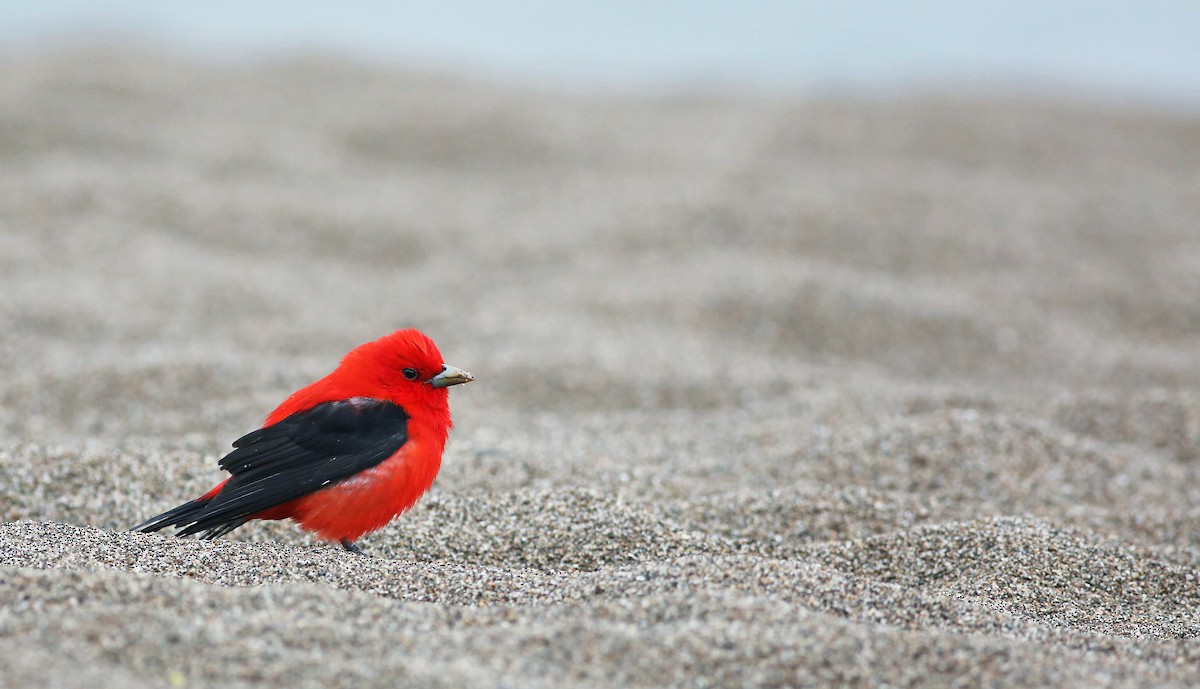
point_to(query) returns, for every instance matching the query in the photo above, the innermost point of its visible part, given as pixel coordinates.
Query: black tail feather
(185, 517)
(212, 532)
(184, 514)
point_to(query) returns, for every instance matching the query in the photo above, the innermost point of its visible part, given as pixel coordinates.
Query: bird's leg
(349, 545)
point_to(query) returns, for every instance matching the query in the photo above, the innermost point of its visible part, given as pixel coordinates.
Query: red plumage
(343, 456)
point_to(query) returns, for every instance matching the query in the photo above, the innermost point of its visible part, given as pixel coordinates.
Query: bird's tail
(185, 516)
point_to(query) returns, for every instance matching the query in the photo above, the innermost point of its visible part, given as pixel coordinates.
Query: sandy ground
(772, 391)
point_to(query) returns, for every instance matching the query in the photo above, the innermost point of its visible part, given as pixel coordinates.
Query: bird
(341, 457)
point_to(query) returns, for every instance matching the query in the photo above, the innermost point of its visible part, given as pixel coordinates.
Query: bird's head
(404, 367)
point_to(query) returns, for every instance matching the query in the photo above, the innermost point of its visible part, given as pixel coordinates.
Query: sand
(773, 389)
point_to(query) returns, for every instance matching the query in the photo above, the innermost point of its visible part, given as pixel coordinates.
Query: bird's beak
(450, 376)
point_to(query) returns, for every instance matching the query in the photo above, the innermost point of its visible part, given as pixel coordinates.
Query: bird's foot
(349, 545)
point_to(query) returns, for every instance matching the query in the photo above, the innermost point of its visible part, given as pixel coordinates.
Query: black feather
(301, 454)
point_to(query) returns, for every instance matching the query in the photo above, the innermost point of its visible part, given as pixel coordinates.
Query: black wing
(297, 456)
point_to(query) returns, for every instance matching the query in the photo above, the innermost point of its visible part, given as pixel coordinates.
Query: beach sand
(772, 390)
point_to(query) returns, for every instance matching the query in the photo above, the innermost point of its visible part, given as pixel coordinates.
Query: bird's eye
(410, 373)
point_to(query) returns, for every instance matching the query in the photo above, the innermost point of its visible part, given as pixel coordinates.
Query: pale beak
(450, 376)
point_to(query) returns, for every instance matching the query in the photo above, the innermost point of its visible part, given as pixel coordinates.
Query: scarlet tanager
(341, 457)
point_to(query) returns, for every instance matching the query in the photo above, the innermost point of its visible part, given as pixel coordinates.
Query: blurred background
(212, 201)
(736, 280)
(1140, 51)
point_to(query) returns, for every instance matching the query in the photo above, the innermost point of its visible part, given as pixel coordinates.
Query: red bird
(341, 457)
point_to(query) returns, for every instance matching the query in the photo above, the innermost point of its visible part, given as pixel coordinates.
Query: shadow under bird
(341, 457)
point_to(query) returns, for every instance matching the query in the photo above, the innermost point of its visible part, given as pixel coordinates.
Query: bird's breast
(370, 499)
